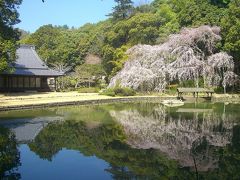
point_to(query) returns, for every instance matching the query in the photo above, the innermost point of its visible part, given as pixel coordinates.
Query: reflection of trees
(106, 141)
(136, 147)
(231, 156)
(9, 155)
(75, 135)
(181, 136)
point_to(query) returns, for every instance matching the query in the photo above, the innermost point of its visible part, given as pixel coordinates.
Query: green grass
(88, 90)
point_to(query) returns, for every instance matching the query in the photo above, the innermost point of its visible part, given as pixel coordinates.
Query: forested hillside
(66, 48)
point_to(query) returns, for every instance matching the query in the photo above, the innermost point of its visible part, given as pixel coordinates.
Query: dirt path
(44, 98)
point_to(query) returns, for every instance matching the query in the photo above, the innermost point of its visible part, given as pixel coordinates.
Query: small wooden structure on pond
(195, 91)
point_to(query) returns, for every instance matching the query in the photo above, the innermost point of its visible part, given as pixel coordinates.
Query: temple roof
(28, 63)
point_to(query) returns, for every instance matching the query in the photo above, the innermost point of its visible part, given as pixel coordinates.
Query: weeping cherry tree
(189, 55)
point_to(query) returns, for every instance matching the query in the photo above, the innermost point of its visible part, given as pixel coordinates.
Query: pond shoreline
(16, 102)
(86, 102)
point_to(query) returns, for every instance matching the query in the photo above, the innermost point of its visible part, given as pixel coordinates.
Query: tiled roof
(36, 72)
(26, 130)
(29, 63)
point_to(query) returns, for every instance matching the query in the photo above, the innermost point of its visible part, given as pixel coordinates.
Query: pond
(122, 141)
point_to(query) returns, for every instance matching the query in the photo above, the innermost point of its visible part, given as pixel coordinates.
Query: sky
(74, 13)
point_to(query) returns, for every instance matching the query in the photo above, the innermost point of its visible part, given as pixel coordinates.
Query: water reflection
(9, 155)
(146, 141)
(179, 135)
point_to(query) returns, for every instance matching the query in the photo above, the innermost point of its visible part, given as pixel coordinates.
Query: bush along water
(119, 91)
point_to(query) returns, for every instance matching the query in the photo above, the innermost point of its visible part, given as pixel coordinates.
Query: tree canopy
(122, 10)
(231, 31)
(128, 26)
(8, 35)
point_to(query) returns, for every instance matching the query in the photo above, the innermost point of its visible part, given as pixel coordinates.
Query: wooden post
(55, 83)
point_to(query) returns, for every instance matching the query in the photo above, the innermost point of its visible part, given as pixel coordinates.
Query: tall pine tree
(122, 10)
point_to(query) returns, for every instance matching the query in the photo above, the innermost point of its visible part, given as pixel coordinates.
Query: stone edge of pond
(85, 102)
(226, 98)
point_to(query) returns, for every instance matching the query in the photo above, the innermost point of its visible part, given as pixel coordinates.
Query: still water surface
(122, 141)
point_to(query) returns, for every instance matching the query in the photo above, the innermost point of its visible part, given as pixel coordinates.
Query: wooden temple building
(30, 73)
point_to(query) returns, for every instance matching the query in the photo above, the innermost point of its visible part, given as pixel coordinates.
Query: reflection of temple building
(183, 137)
(26, 130)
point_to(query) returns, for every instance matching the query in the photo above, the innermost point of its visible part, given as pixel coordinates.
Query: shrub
(102, 84)
(119, 91)
(88, 90)
(108, 92)
(124, 91)
(219, 90)
(172, 89)
(66, 83)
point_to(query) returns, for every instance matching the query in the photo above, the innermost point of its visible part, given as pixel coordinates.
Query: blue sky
(34, 13)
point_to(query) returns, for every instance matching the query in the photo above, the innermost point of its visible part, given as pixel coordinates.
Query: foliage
(113, 59)
(231, 31)
(140, 28)
(9, 155)
(23, 34)
(143, 8)
(102, 83)
(56, 46)
(66, 82)
(188, 55)
(64, 49)
(123, 91)
(60, 46)
(122, 10)
(119, 91)
(169, 21)
(7, 54)
(87, 74)
(108, 92)
(8, 35)
(198, 12)
(219, 90)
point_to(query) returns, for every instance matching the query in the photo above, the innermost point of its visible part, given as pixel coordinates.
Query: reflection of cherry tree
(188, 55)
(179, 136)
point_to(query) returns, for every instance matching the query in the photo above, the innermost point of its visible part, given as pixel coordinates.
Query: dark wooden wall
(23, 83)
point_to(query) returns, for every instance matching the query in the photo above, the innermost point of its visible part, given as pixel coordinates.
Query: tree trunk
(76, 85)
(224, 87)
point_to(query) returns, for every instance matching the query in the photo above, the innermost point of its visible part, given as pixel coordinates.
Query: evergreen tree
(122, 10)
(8, 35)
(230, 25)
